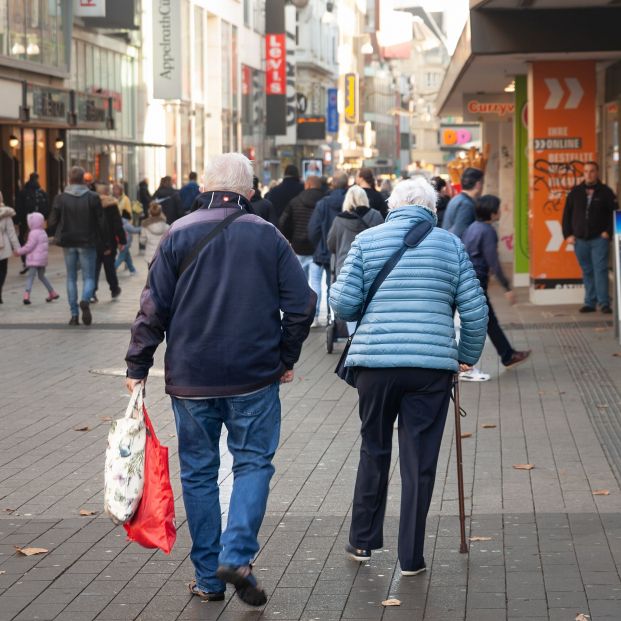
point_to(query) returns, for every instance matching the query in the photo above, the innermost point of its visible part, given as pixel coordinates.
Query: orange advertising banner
(562, 137)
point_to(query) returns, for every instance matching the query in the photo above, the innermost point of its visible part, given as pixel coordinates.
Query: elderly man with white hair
(229, 295)
(404, 357)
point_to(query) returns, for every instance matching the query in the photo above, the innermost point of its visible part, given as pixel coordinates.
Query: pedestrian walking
(125, 255)
(113, 239)
(481, 242)
(294, 221)
(366, 181)
(36, 252)
(30, 199)
(459, 214)
(386, 189)
(168, 197)
(77, 217)
(444, 196)
(587, 224)
(404, 356)
(188, 193)
(318, 228)
(260, 206)
(144, 196)
(281, 195)
(152, 231)
(122, 200)
(8, 239)
(232, 336)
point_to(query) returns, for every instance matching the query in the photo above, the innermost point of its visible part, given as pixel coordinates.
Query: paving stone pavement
(551, 548)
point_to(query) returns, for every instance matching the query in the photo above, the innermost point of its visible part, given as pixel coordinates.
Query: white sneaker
(316, 323)
(414, 572)
(474, 375)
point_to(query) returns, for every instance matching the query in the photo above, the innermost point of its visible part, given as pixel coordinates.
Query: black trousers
(421, 399)
(497, 336)
(3, 267)
(107, 260)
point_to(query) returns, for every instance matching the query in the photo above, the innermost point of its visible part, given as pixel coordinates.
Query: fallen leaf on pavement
(466, 434)
(601, 406)
(523, 466)
(87, 512)
(477, 538)
(488, 426)
(391, 602)
(2, 572)
(30, 551)
(582, 617)
(601, 492)
(172, 435)
(617, 354)
(106, 419)
(81, 428)
(8, 510)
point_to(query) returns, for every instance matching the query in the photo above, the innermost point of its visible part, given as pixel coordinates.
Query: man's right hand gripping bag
(153, 524)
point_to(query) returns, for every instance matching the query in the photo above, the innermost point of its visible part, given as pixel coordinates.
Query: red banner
(276, 64)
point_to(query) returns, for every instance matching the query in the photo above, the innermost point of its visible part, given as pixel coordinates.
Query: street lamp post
(14, 143)
(59, 144)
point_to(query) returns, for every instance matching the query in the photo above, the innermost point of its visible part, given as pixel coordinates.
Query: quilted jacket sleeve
(472, 308)
(347, 293)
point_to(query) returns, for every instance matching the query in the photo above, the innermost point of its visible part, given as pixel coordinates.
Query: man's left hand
(605, 235)
(130, 383)
(287, 377)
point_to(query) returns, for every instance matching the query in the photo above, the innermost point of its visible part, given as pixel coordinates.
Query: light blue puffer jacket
(409, 323)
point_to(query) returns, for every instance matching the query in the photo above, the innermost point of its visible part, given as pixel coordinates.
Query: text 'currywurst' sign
(167, 75)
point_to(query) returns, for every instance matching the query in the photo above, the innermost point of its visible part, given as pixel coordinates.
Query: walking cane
(463, 548)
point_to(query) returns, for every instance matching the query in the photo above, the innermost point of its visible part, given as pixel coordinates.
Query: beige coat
(8, 238)
(152, 231)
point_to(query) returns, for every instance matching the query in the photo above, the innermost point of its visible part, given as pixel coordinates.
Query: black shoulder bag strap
(191, 256)
(412, 239)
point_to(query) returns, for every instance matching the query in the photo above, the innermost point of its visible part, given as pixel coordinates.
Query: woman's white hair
(230, 172)
(355, 197)
(417, 191)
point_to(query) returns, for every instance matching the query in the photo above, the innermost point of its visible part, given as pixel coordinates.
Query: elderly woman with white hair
(403, 357)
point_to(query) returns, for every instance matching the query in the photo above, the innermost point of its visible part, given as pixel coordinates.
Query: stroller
(335, 328)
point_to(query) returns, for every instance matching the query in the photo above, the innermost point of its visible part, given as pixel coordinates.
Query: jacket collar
(221, 199)
(412, 212)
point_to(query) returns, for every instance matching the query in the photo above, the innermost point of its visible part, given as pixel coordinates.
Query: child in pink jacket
(36, 251)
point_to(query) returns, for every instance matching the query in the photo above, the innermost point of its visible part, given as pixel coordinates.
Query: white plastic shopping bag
(124, 470)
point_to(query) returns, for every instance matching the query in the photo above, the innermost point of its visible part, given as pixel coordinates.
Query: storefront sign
(167, 74)
(48, 104)
(332, 112)
(488, 107)
(562, 137)
(520, 208)
(459, 137)
(351, 98)
(11, 100)
(89, 8)
(275, 64)
(92, 111)
(311, 128)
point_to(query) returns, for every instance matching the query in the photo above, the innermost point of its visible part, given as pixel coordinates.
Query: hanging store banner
(332, 121)
(351, 98)
(167, 74)
(562, 137)
(89, 8)
(275, 68)
(520, 202)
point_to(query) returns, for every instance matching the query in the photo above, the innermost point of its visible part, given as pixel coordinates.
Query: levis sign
(499, 108)
(276, 64)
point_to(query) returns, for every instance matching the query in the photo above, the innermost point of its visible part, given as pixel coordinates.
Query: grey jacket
(344, 229)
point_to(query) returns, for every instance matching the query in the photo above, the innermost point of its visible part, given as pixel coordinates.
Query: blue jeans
(125, 256)
(40, 272)
(87, 258)
(316, 273)
(253, 425)
(592, 255)
(305, 261)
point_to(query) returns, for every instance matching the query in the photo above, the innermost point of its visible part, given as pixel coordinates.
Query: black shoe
(606, 310)
(24, 270)
(205, 595)
(357, 554)
(116, 293)
(517, 358)
(245, 584)
(587, 309)
(74, 321)
(87, 318)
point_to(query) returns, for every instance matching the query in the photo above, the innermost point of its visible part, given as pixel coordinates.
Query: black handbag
(413, 237)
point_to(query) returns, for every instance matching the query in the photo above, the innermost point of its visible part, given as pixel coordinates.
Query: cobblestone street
(548, 548)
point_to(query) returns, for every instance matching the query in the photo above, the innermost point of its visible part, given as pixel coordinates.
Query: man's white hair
(230, 172)
(417, 191)
(355, 197)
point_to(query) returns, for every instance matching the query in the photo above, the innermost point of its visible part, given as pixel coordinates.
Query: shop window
(28, 151)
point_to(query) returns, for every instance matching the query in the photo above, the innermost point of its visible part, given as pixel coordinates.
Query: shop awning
(76, 136)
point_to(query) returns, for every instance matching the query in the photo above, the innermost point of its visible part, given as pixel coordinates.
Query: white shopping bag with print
(124, 470)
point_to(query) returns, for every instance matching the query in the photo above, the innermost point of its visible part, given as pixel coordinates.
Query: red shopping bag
(153, 524)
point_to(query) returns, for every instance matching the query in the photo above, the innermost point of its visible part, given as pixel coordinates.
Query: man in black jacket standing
(287, 189)
(587, 224)
(169, 199)
(77, 216)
